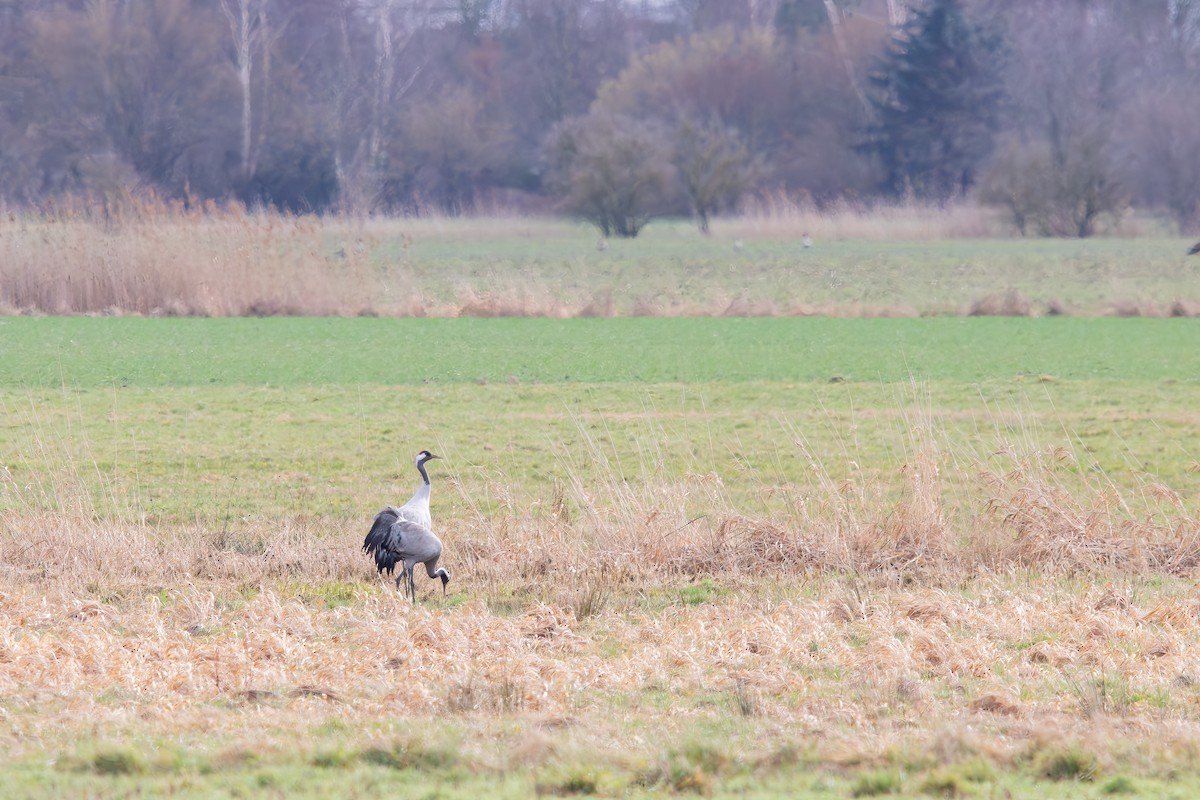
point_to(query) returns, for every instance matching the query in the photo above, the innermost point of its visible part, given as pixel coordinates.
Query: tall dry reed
(163, 259)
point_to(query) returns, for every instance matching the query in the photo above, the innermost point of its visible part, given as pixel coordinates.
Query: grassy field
(809, 557)
(138, 352)
(885, 262)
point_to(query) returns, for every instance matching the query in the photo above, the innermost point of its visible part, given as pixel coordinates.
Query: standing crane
(404, 536)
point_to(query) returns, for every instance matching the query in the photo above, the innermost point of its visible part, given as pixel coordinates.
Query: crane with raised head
(405, 536)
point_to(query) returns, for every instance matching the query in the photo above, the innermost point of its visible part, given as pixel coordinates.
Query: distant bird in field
(405, 535)
(1195, 249)
(806, 241)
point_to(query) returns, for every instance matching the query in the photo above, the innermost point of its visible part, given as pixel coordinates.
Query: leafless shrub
(1056, 191)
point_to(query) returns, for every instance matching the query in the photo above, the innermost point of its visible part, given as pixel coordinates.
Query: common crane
(1195, 249)
(404, 535)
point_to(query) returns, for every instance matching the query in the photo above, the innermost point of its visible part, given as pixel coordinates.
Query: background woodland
(1063, 114)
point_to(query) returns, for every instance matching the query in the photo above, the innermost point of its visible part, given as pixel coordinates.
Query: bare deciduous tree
(835, 25)
(612, 170)
(715, 167)
(248, 30)
(1162, 141)
(370, 102)
(1065, 98)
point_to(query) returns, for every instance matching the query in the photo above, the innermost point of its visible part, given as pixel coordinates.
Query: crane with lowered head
(404, 536)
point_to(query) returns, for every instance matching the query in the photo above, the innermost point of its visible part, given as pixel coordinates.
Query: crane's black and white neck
(422, 457)
(417, 508)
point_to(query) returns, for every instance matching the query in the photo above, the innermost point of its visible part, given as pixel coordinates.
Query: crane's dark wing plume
(383, 540)
(1195, 249)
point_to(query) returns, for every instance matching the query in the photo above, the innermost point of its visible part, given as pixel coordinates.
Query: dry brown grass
(163, 260)
(855, 663)
(845, 615)
(864, 618)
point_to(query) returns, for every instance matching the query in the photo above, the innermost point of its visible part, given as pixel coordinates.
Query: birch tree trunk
(839, 41)
(245, 18)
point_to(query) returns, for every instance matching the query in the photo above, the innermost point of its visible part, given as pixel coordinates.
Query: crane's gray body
(393, 540)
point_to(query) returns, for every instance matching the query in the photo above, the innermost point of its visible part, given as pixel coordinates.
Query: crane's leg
(412, 585)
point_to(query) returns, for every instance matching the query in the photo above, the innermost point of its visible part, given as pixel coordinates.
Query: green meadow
(213, 418)
(88, 353)
(672, 265)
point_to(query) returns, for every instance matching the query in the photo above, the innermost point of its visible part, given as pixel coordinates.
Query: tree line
(1062, 112)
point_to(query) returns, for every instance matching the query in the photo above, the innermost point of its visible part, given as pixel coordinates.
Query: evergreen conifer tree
(937, 101)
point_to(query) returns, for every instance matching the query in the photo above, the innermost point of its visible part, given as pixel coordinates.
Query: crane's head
(424, 456)
(445, 576)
